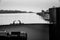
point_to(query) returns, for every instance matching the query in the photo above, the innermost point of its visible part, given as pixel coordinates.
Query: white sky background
(28, 5)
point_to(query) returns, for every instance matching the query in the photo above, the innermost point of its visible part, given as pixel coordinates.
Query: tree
(53, 7)
(43, 11)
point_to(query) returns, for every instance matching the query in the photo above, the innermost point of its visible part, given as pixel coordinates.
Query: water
(23, 17)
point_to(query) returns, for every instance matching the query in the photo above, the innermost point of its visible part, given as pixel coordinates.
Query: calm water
(23, 17)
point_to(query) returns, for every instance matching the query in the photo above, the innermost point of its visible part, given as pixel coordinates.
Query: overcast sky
(28, 5)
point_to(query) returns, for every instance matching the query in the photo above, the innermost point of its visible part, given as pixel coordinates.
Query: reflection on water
(23, 17)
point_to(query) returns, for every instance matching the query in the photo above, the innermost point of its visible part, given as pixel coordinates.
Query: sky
(28, 5)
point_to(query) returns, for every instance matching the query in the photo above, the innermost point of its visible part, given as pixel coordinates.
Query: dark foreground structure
(53, 14)
(24, 32)
(13, 36)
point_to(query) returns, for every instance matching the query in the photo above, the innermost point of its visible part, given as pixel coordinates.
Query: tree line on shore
(14, 11)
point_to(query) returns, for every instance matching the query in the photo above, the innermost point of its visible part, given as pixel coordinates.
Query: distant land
(14, 11)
